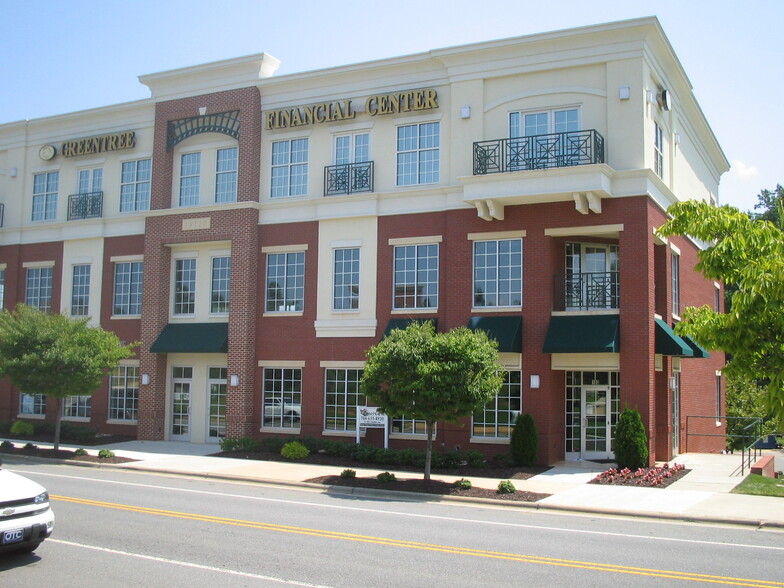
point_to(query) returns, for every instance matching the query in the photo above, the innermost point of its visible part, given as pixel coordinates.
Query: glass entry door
(216, 429)
(181, 404)
(595, 430)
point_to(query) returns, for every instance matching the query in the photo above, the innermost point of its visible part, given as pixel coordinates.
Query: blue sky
(61, 56)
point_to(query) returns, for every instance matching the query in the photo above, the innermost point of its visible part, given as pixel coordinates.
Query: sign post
(370, 417)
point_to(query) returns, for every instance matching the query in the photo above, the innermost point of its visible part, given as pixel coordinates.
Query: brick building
(257, 233)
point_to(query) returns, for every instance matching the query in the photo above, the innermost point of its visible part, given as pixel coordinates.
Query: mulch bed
(640, 482)
(67, 454)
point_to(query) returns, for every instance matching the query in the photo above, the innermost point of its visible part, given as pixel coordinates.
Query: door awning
(583, 334)
(402, 323)
(192, 338)
(507, 330)
(668, 343)
(698, 350)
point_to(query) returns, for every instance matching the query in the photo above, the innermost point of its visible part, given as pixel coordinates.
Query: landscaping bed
(658, 477)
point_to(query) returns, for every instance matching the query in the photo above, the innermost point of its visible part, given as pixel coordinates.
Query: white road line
(186, 564)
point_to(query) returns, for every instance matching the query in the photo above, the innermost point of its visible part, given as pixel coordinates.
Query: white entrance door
(595, 429)
(182, 378)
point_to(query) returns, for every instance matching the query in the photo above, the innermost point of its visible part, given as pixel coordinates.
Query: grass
(761, 486)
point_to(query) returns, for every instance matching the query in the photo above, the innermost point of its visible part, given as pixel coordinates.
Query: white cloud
(742, 170)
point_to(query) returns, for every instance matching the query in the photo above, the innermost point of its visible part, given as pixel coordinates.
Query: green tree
(631, 442)
(432, 376)
(747, 255)
(745, 403)
(51, 354)
(771, 203)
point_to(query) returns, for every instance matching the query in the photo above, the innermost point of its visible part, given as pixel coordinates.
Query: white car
(25, 516)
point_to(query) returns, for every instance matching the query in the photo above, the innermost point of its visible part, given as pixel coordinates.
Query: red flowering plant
(657, 477)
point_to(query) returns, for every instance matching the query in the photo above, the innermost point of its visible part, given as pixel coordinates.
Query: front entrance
(595, 430)
(591, 411)
(182, 378)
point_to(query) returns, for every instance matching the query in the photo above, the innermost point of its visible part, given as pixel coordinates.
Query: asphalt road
(119, 528)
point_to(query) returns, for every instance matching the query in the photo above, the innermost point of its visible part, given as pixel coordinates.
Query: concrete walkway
(702, 495)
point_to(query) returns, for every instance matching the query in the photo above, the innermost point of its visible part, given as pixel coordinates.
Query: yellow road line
(613, 568)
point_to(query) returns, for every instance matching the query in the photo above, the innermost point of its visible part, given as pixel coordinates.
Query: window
(289, 168)
(676, 284)
(128, 288)
(190, 170)
(2, 289)
(345, 294)
(32, 404)
(285, 281)
(80, 290)
(90, 180)
(226, 175)
(38, 290)
(135, 185)
(416, 276)
(282, 401)
(418, 154)
(497, 418)
(45, 196)
(716, 297)
(405, 426)
(184, 286)
(718, 394)
(542, 123)
(658, 150)
(498, 273)
(77, 406)
(343, 395)
(124, 393)
(352, 148)
(220, 291)
(591, 280)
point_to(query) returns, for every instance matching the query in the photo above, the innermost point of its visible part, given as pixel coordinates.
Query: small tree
(631, 442)
(51, 354)
(524, 443)
(432, 377)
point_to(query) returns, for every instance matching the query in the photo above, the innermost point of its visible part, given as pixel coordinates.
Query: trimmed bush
(506, 487)
(77, 433)
(294, 450)
(30, 446)
(475, 459)
(80, 451)
(386, 477)
(244, 444)
(631, 442)
(524, 443)
(22, 428)
(7, 445)
(462, 484)
(104, 453)
(273, 444)
(348, 473)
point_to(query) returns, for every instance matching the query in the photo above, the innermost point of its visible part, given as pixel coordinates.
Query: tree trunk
(429, 448)
(57, 418)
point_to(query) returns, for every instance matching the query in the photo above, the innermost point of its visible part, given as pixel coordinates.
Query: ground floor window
(32, 404)
(282, 397)
(406, 426)
(592, 406)
(498, 416)
(77, 406)
(342, 395)
(124, 393)
(216, 383)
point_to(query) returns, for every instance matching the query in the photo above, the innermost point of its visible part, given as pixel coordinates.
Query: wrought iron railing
(348, 178)
(538, 152)
(586, 291)
(81, 206)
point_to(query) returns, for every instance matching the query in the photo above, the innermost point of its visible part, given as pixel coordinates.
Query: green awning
(668, 343)
(193, 338)
(699, 351)
(402, 323)
(507, 330)
(583, 334)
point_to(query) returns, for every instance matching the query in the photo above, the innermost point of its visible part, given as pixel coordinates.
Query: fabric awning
(402, 323)
(698, 350)
(192, 338)
(583, 334)
(668, 343)
(507, 330)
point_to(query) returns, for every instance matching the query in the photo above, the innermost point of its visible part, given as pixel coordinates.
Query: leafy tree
(771, 201)
(51, 354)
(745, 402)
(746, 254)
(432, 376)
(631, 442)
(524, 443)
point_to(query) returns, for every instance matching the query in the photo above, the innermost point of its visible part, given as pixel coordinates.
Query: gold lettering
(431, 99)
(270, 120)
(348, 110)
(307, 118)
(319, 115)
(131, 140)
(285, 118)
(296, 119)
(371, 105)
(419, 100)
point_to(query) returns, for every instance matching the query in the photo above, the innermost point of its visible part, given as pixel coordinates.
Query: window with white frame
(591, 280)
(124, 393)
(128, 278)
(345, 279)
(226, 175)
(220, 287)
(45, 187)
(285, 281)
(416, 276)
(716, 298)
(676, 284)
(526, 124)
(418, 149)
(718, 394)
(352, 148)
(2, 289)
(32, 404)
(497, 418)
(80, 290)
(77, 406)
(38, 288)
(90, 180)
(184, 286)
(289, 168)
(135, 185)
(658, 150)
(498, 273)
(342, 395)
(405, 426)
(282, 397)
(190, 176)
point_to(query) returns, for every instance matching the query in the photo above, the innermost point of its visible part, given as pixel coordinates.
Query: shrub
(386, 477)
(294, 450)
(475, 459)
(409, 457)
(5, 427)
(30, 446)
(78, 434)
(80, 451)
(503, 460)
(348, 473)
(365, 453)
(631, 443)
(43, 428)
(7, 445)
(273, 444)
(104, 453)
(506, 487)
(22, 428)
(245, 444)
(462, 484)
(524, 443)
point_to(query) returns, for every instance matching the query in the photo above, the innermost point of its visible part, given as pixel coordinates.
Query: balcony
(586, 291)
(538, 152)
(81, 206)
(348, 178)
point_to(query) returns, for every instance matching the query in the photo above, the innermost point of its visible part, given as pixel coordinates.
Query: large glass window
(405, 426)
(526, 124)
(184, 286)
(498, 273)
(77, 406)
(226, 175)
(124, 393)
(352, 148)
(418, 148)
(346, 279)
(135, 185)
(285, 281)
(498, 416)
(591, 280)
(38, 289)
(658, 150)
(32, 404)
(90, 180)
(342, 396)
(128, 277)
(289, 168)
(80, 290)
(416, 276)
(45, 196)
(190, 175)
(220, 289)
(282, 399)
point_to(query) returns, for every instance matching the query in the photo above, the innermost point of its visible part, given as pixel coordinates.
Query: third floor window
(289, 168)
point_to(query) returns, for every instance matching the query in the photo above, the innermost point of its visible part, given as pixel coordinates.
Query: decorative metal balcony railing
(586, 291)
(348, 178)
(81, 206)
(538, 152)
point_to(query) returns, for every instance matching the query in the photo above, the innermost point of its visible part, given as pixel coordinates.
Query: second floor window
(190, 170)
(498, 273)
(184, 286)
(285, 281)
(38, 289)
(289, 168)
(418, 152)
(416, 276)
(128, 288)
(45, 196)
(658, 150)
(352, 148)
(90, 180)
(226, 175)
(220, 291)
(80, 290)
(135, 185)
(526, 124)
(346, 279)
